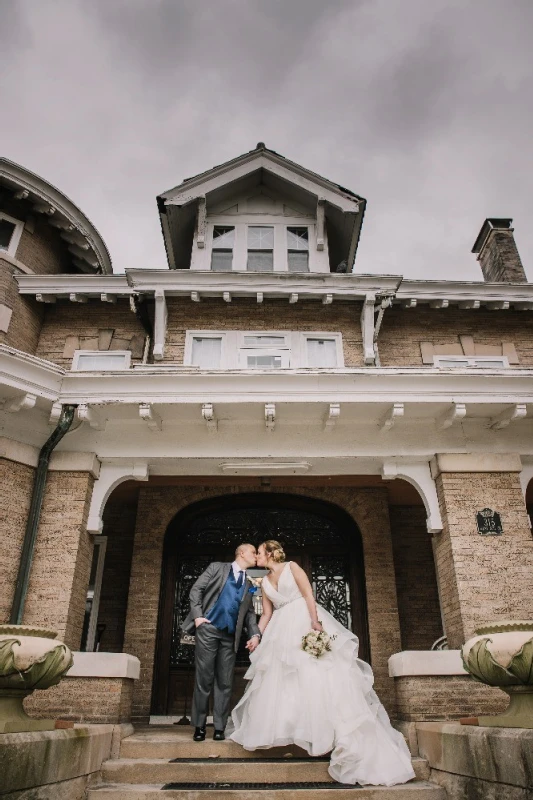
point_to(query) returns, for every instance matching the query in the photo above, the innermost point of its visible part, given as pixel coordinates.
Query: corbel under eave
(160, 324)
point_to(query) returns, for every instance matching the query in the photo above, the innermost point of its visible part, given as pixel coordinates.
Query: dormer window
(298, 249)
(222, 252)
(10, 233)
(260, 248)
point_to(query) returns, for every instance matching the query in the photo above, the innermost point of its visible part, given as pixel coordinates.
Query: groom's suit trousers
(214, 662)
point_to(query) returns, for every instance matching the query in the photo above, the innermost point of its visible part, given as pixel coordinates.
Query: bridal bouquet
(316, 643)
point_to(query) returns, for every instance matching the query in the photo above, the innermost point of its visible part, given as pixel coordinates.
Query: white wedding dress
(322, 705)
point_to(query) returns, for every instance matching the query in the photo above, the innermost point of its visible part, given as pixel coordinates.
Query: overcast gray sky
(424, 107)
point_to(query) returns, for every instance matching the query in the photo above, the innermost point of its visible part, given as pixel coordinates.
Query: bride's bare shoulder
(295, 567)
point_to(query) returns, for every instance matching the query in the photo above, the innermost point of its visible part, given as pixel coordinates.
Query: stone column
(63, 552)
(482, 578)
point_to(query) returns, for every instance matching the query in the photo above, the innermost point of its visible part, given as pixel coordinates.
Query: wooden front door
(322, 538)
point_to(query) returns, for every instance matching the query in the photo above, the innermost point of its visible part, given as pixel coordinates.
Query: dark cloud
(423, 108)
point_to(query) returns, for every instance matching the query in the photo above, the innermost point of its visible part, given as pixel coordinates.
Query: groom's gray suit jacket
(206, 591)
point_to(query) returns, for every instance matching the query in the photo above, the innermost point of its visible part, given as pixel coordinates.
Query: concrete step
(169, 745)
(420, 790)
(216, 770)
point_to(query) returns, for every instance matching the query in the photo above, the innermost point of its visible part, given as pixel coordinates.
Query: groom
(221, 603)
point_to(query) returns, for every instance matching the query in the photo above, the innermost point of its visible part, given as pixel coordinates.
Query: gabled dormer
(261, 212)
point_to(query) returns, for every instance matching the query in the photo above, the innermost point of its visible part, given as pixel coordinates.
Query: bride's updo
(274, 550)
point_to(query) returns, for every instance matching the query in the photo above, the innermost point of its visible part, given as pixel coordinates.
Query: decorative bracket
(195, 297)
(293, 298)
(455, 414)
(270, 416)
(332, 416)
(327, 299)
(111, 475)
(320, 220)
(498, 305)
(367, 328)
(108, 298)
(418, 474)
(201, 226)
(439, 304)
(260, 297)
(469, 304)
(226, 296)
(160, 324)
(88, 414)
(208, 413)
(45, 298)
(22, 403)
(74, 297)
(511, 414)
(55, 413)
(151, 417)
(392, 415)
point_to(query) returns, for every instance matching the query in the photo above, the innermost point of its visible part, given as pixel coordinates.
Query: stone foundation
(54, 765)
(479, 763)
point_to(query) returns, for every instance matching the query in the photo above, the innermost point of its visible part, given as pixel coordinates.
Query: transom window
(222, 252)
(298, 249)
(98, 361)
(260, 248)
(270, 350)
(10, 233)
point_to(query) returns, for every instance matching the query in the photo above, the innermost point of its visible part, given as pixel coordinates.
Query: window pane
(321, 353)
(6, 232)
(450, 362)
(298, 261)
(260, 237)
(298, 238)
(221, 260)
(258, 341)
(206, 352)
(490, 364)
(223, 237)
(263, 362)
(99, 361)
(260, 261)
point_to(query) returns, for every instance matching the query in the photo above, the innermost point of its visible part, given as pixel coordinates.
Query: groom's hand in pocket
(200, 621)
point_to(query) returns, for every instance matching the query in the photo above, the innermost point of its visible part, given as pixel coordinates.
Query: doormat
(210, 787)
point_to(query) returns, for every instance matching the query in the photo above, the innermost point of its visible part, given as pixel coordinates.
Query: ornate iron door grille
(315, 541)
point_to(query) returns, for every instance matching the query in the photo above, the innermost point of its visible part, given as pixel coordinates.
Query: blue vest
(225, 612)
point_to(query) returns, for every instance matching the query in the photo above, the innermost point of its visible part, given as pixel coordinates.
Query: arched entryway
(322, 537)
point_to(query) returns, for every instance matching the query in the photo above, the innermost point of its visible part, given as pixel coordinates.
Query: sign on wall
(489, 522)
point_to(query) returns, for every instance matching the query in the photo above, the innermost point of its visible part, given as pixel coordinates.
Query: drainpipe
(28, 546)
(385, 303)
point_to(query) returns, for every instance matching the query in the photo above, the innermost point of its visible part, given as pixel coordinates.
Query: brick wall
(62, 560)
(158, 505)
(26, 319)
(433, 697)
(244, 314)
(403, 330)
(119, 527)
(500, 259)
(482, 578)
(416, 581)
(85, 321)
(96, 700)
(16, 481)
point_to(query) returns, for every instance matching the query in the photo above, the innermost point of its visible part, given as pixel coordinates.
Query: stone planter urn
(501, 654)
(30, 658)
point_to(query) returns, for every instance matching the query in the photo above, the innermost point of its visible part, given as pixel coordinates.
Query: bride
(320, 704)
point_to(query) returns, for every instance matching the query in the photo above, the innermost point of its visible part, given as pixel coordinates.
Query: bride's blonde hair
(274, 550)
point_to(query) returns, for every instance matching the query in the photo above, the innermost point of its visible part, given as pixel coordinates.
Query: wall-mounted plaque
(489, 522)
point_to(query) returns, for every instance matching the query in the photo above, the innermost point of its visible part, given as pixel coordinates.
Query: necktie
(240, 579)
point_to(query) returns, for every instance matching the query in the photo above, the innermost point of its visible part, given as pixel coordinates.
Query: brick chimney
(497, 252)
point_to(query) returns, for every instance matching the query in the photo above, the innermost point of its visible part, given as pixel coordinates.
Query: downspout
(385, 303)
(28, 546)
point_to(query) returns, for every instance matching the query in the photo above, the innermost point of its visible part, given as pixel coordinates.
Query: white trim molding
(105, 665)
(419, 475)
(18, 227)
(111, 475)
(412, 663)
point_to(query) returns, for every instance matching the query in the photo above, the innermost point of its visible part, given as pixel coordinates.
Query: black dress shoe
(199, 734)
(218, 736)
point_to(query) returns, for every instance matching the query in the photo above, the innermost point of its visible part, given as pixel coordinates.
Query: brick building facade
(259, 386)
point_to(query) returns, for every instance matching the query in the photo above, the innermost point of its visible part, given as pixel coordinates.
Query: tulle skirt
(322, 705)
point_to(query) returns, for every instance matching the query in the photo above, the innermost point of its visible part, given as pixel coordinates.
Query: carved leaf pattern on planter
(482, 667)
(44, 672)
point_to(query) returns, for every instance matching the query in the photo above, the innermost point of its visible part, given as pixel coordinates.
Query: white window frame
(337, 337)
(101, 543)
(104, 354)
(285, 356)
(469, 362)
(15, 237)
(190, 335)
(294, 346)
